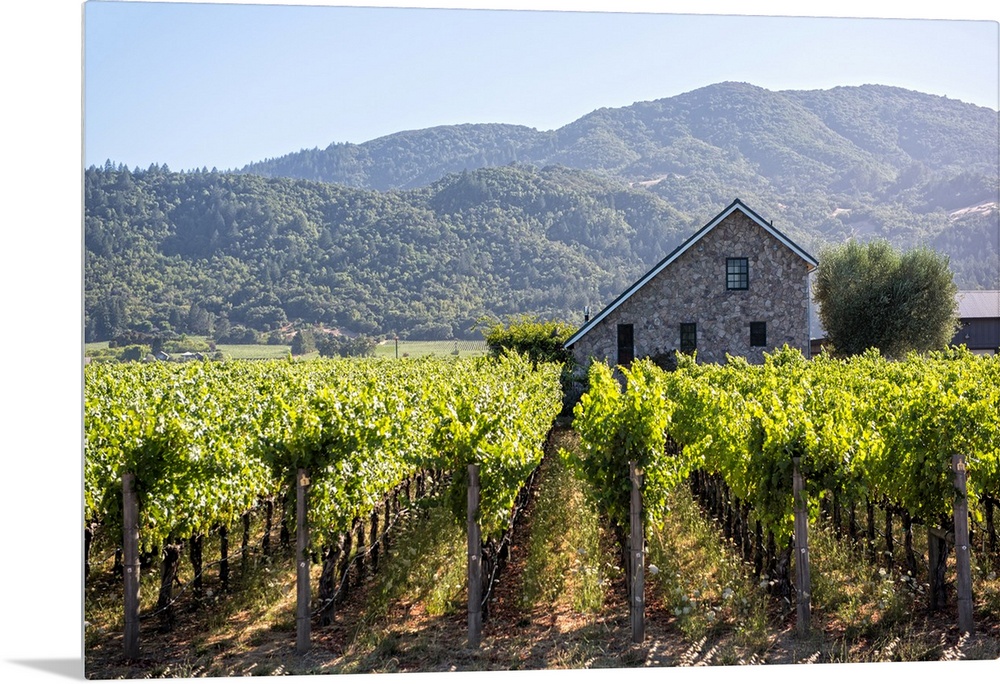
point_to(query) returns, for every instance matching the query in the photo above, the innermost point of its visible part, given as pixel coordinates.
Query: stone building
(737, 286)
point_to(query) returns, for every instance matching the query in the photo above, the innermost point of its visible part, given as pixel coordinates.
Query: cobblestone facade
(693, 289)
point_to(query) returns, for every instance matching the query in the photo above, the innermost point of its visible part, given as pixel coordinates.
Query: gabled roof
(978, 304)
(737, 205)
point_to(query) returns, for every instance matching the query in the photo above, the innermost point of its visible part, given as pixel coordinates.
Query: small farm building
(979, 316)
(737, 286)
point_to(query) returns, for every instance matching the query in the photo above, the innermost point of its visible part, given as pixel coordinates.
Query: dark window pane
(737, 274)
(689, 337)
(758, 334)
(626, 344)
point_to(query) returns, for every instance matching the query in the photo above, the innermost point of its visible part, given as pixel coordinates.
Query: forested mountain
(422, 232)
(848, 139)
(194, 252)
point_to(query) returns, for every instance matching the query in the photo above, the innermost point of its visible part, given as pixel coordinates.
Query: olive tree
(872, 295)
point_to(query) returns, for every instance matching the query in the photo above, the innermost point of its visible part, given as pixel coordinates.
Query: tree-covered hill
(200, 252)
(409, 159)
(422, 232)
(870, 140)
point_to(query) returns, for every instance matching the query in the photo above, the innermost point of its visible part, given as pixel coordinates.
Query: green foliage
(864, 426)
(336, 345)
(134, 352)
(617, 427)
(499, 421)
(303, 342)
(185, 344)
(541, 341)
(854, 138)
(206, 442)
(823, 164)
(872, 296)
(238, 334)
(425, 264)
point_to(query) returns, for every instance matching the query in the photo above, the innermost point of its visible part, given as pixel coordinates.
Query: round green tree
(874, 296)
(303, 342)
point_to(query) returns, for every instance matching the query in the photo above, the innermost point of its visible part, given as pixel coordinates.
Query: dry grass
(566, 560)
(707, 590)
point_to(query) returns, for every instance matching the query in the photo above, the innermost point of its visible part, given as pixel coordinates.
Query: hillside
(421, 233)
(848, 139)
(202, 252)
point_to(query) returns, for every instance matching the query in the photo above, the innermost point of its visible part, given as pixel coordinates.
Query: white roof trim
(737, 204)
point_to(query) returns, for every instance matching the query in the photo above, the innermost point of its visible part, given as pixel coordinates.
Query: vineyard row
(779, 441)
(198, 446)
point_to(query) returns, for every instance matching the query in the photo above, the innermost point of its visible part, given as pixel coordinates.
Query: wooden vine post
(302, 635)
(475, 588)
(375, 539)
(245, 543)
(224, 558)
(130, 549)
(637, 616)
(963, 565)
(359, 562)
(802, 586)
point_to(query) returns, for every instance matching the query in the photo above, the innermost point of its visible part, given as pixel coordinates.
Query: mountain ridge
(428, 231)
(569, 144)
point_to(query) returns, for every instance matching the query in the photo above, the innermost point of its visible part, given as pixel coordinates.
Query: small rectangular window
(626, 344)
(758, 334)
(689, 337)
(737, 274)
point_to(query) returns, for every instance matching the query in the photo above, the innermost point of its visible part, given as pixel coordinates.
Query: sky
(223, 85)
(190, 94)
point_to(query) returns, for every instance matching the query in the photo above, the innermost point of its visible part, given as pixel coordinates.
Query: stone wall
(692, 289)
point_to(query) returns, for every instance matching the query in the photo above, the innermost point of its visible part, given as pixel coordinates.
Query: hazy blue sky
(222, 85)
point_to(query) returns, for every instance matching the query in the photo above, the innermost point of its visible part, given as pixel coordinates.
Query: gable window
(758, 334)
(689, 337)
(626, 344)
(737, 273)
